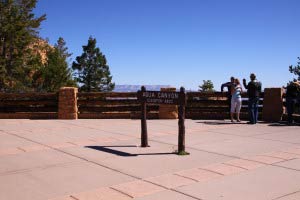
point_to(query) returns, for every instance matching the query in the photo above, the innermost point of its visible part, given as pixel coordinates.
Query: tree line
(29, 63)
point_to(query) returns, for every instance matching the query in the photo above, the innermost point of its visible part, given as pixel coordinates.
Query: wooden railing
(114, 105)
(28, 105)
(214, 105)
(126, 105)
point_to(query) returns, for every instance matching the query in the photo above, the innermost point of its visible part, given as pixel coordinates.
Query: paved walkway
(102, 160)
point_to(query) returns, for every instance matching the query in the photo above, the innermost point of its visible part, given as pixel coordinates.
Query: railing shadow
(220, 123)
(283, 124)
(107, 149)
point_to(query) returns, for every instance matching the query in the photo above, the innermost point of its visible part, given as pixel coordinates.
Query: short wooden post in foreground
(181, 126)
(144, 134)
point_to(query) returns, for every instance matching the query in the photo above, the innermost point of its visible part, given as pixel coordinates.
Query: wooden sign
(155, 97)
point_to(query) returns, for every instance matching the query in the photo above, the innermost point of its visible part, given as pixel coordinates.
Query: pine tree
(18, 29)
(207, 86)
(92, 71)
(56, 73)
(296, 69)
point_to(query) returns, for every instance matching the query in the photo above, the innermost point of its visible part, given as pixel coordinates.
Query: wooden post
(181, 126)
(144, 134)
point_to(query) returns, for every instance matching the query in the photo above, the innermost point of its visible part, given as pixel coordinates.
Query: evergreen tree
(295, 69)
(207, 86)
(56, 73)
(62, 48)
(18, 30)
(92, 71)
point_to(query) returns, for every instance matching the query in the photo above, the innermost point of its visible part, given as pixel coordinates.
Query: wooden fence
(29, 105)
(99, 105)
(112, 106)
(215, 106)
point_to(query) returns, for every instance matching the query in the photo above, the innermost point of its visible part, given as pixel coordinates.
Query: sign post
(181, 126)
(144, 134)
(159, 97)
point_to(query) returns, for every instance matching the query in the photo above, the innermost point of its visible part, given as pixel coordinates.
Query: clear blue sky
(182, 42)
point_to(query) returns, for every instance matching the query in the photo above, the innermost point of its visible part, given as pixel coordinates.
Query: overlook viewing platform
(90, 159)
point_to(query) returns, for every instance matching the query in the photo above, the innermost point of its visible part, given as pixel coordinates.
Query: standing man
(253, 91)
(230, 87)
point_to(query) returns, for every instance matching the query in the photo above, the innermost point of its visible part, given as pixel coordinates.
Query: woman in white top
(236, 100)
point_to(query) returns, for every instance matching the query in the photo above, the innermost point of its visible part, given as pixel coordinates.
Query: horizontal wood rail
(116, 105)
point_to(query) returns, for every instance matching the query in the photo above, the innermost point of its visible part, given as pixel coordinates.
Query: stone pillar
(168, 111)
(273, 105)
(67, 103)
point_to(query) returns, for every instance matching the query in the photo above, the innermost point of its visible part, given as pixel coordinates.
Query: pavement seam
(264, 163)
(286, 195)
(21, 149)
(297, 170)
(35, 168)
(185, 194)
(186, 177)
(72, 143)
(254, 137)
(211, 171)
(290, 152)
(196, 149)
(274, 165)
(284, 159)
(172, 189)
(121, 192)
(235, 166)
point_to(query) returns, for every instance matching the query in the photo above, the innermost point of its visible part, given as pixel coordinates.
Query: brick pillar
(273, 104)
(168, 111)
(67, 103)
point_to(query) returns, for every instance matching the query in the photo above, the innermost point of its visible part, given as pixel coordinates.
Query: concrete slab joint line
(224, 169)
(288, 195)
(170, 181)
(245, 164)
(199, 175)
(138, 188)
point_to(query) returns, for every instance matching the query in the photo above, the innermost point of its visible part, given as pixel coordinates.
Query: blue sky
(182, 42)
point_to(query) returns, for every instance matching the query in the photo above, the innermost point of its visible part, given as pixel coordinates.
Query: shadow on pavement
(280, 124)
(108, 149)
(220, 123)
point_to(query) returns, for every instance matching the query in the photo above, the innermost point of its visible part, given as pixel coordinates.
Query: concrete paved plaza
(102, 160)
